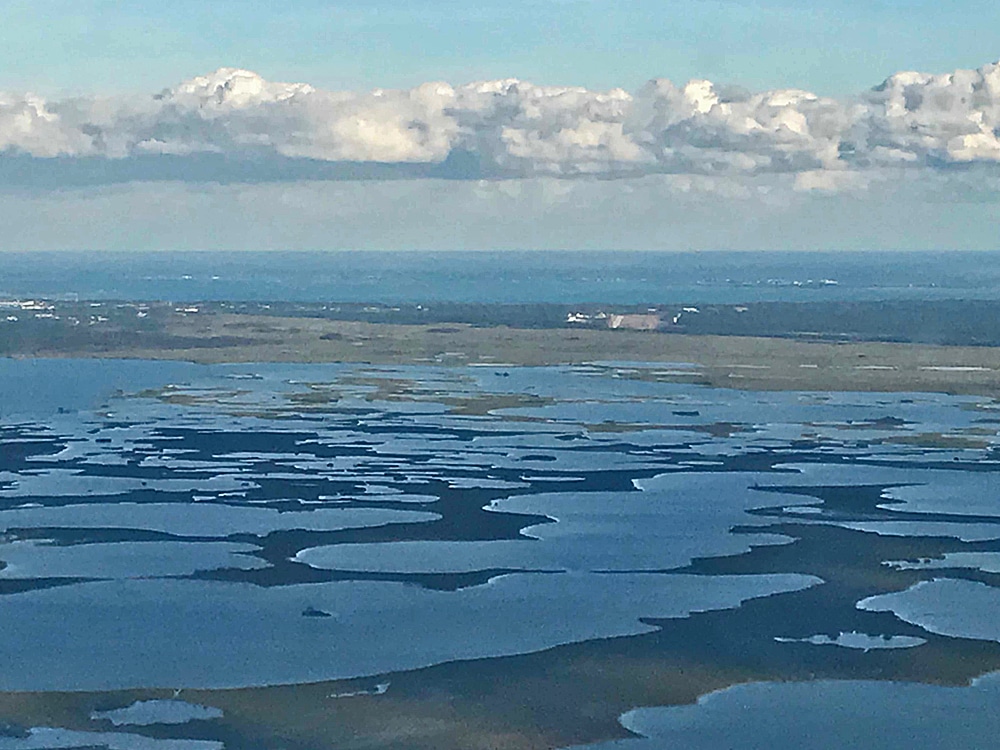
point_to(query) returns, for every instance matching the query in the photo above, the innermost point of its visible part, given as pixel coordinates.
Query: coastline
(741, 362)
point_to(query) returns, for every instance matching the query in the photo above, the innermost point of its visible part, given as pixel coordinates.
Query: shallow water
(213, 531)
(210, 634)
(823, 715)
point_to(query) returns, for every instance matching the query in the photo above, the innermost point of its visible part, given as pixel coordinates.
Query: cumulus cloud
(29, 126)
(510, 128)
(917, 117)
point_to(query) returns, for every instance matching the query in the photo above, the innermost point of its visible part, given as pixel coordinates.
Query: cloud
(27, 125)
(830, 181)
(924, 209)
(917, 117)
(232, 126)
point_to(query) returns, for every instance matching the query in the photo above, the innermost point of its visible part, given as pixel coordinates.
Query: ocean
(511, 277)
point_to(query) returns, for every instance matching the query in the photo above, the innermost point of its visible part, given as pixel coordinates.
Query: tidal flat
(357, 555)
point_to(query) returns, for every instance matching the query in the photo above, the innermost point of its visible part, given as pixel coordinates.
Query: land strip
(746, 362)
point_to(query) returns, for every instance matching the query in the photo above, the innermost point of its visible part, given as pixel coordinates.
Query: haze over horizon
(732, 150)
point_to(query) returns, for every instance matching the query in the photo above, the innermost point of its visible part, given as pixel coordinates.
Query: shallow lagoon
(176, 536)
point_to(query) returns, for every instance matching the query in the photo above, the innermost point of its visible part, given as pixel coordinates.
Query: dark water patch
(207, 444)
(291, 573)
(94, 498)
(313, 612)
(70, 537)
(849, 501)
(19, 449)
(460, 520)
(10, 587)
(844, 504)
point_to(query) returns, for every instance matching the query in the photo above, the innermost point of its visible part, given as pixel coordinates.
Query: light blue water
(512, 277)
(346, 511)
(823, 716)
(40, 387)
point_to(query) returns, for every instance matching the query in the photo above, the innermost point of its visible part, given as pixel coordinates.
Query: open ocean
(511, 277)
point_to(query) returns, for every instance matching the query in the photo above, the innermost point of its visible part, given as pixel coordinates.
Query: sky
(550, 124)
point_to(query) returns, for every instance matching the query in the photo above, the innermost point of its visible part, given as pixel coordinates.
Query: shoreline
(740, 362)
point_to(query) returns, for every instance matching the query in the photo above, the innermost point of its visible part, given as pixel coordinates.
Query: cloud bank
(230, 160)
(264, 131)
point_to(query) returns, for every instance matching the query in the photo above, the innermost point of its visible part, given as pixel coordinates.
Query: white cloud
(830, 181)
(950, 117)
(28, 125)
(515, 129)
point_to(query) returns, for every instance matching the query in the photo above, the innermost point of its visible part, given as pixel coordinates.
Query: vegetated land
(730, 346)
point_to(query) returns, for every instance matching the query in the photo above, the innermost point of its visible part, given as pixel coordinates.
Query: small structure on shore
(637, 322)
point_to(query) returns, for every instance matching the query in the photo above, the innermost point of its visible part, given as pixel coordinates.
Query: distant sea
(511, 277)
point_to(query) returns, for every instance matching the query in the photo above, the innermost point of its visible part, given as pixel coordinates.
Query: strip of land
(746, 362)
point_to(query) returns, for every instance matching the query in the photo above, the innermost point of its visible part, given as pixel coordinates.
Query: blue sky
(833, 47)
